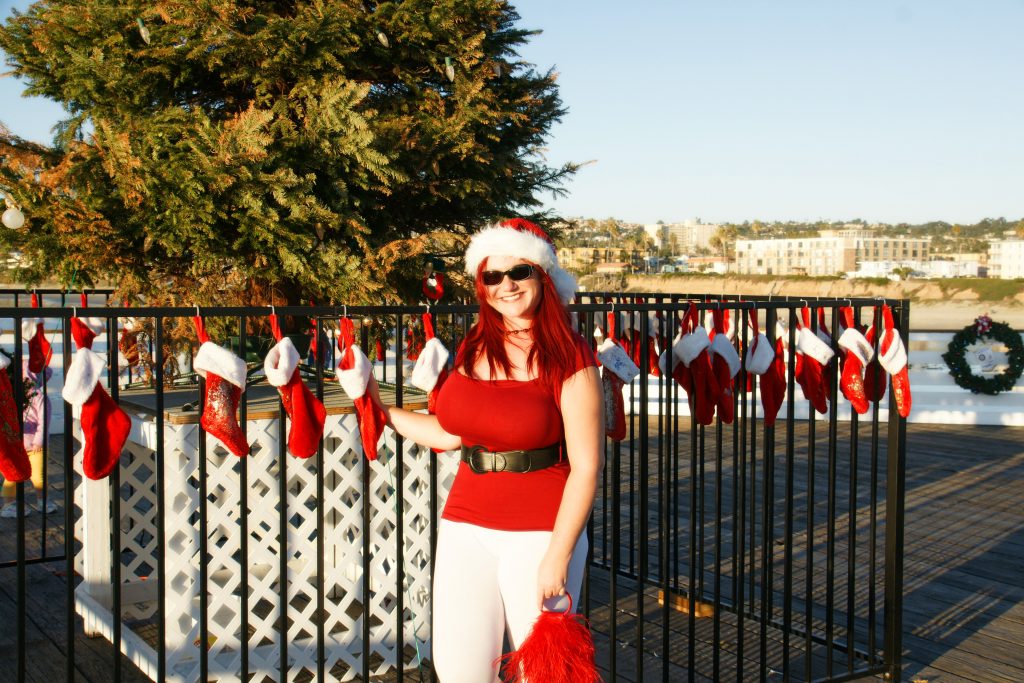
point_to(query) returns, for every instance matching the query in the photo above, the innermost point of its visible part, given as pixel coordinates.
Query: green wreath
(983, 327)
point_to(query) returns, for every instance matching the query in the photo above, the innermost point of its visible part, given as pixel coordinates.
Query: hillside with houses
(991, 248)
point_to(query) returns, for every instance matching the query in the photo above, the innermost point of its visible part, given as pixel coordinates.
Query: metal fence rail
(728, 552)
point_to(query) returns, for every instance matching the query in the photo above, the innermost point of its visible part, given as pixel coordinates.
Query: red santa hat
(519, 238)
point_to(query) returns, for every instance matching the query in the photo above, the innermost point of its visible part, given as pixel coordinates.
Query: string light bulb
(143, 31)
(449, 68)
(383, 39)
(13, 218)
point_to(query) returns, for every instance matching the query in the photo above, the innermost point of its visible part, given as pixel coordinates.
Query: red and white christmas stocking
(892, 355)
(725, 363)
(39, 350)
(105, 426)
(354, 370)
(773, 384)
(829, 373)
(617, 370)
(857, 354)
(307, 414)
(692, 350)
(431, 368)
(760, 361)
(813, 354)
(225, 375)
(679, 372)
(875, 378)
(14, 463)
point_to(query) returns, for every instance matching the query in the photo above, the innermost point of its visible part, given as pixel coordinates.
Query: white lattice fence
(342, 509)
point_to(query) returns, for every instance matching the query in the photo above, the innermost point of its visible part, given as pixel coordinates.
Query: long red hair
(554, 342)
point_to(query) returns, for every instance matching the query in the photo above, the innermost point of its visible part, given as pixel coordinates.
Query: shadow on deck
(963, 595)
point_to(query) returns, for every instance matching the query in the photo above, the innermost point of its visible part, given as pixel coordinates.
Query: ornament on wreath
(984, 331)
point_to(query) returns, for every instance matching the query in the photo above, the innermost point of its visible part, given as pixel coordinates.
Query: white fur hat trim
(500, 240)
(429, 364)
(29, 328)
(221, 362)
(615, 359)
(810, 345)
(856, 343)
(760, 355)
(721, 346)
(355, 379)
(690, 346)
(894, 358)
(83, 376)
(280, 363)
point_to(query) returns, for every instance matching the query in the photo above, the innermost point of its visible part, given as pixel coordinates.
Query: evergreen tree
(230, 150)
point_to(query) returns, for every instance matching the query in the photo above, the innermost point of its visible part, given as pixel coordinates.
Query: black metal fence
(725, 552)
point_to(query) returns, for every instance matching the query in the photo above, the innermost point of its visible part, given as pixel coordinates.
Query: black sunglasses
(523, 271)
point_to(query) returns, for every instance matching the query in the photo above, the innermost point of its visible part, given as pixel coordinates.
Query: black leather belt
(482, 461)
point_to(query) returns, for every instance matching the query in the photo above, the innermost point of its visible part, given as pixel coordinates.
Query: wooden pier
(963, 609)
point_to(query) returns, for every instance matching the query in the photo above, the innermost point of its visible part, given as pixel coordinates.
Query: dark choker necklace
(509, 333)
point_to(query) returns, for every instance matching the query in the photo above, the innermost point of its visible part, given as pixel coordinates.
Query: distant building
(835, 251)
(1006, 259)
(709, 264)
(586, 259)
(795, 256)
(612, 267)
(689, 235)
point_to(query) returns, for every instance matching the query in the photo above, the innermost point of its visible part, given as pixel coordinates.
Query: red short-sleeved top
(506, 415)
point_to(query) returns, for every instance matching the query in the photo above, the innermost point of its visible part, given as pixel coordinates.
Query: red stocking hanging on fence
(307, 414)
(857, 354)
(824, 335)
(431, 368)
(874, 376)
(105, 425)
(354, 371)
(39, 350)
(225, 375)
(617, 370)
(725, 363)
(892, 355)
(773, 382)
(760, 359)
(692, 350)
(813, 355)
(14, 463)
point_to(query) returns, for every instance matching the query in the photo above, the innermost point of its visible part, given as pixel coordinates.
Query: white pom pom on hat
(519, 238)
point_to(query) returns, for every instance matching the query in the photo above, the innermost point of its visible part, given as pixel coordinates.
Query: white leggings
(485, 581)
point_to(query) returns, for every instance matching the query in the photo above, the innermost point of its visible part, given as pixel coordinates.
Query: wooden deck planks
(964, 556)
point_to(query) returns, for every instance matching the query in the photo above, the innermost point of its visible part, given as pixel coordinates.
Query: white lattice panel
(342, 509)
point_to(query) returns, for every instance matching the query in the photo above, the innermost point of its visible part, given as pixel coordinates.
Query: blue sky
(732, 110)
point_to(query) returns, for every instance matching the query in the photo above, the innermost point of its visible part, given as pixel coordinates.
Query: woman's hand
(551, 577)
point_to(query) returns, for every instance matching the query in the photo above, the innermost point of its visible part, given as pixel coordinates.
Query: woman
(524, 406)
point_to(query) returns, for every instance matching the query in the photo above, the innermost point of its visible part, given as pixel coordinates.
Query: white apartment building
(835, 251)
(1006, 259)
(690, 235)
(868, 246)
(794, 256)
